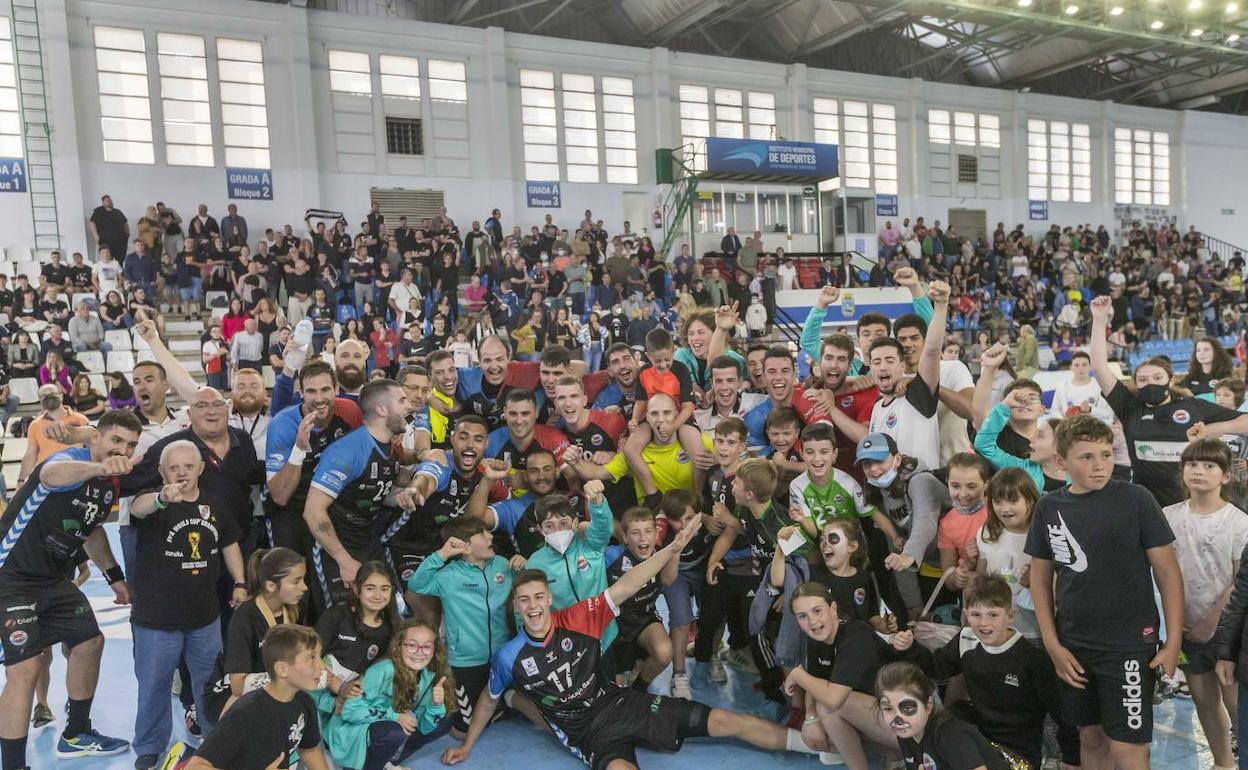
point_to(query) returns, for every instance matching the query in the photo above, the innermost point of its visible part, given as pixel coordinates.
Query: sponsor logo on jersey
(596, 439)
(891, 421)
(582, 564)
(530, 666)
(1132, 694)
(15, 622)
(847, 402)
(1181, 417)
(1066, 550)
(372, 651)
(566, 644)
(928, 762)
(205, 512)
(860, 596)
(1011, 680)
(499, 578)
(17, 607)
(682, 457)
(655, 704)
(18, 638)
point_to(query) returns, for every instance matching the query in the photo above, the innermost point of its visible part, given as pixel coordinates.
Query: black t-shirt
(304, 283)
(419, 532)
(1156, 437)
(178, 564)
(951, 744)
(1199, 382)
(80, 276)
(259, 728)
(1010, 441)
(1011, 687)
(855, 595)
(853, 659)
(111, 226)
(638, 610)
(353, 644)
(1098, 544)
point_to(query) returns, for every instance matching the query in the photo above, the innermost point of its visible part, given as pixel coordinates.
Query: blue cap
(876, 447)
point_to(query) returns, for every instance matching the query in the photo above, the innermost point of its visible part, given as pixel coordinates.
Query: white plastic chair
(121, 361)
(119, 339)
(91, 360)
(25, 388)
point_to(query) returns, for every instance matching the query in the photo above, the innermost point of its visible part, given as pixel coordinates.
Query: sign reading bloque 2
(252, 184)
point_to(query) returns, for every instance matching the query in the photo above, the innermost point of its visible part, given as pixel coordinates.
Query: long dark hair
(269, 565)
(1219, 369)
(122, 391)
(390, 615)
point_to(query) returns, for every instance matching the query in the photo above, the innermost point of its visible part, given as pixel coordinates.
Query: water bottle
(303, 333)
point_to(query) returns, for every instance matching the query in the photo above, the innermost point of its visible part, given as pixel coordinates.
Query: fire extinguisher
(658, 220)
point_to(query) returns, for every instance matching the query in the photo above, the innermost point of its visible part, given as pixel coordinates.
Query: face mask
(1154, 394)
(885, 481)
(960, 509)
(560, 540)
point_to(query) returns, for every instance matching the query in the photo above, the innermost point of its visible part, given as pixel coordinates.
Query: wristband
(810, 720)
(240, 585)
(114, 574)
(159, 502)
(296, 456)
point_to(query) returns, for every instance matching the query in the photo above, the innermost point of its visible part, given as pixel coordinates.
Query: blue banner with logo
(249, 184)
(543, 195)
(1038, 210)
(12, 175)
(755, 157)
(886, 205)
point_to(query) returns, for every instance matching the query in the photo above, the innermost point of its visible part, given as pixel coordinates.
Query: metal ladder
(678, 201)
(36, 127)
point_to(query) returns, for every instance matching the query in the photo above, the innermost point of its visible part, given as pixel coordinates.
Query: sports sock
(793, 741)
(79, 720)
(13, 753)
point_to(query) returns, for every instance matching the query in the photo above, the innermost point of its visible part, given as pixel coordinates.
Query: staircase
(679, 200)
(36, 127)
(1222, 248)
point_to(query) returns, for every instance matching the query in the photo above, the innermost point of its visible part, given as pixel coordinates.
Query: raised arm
(725, 321)
(929, 359)
(812, 330)
(981, 402)
(640, 574)
(1098, 346)
(178, 377)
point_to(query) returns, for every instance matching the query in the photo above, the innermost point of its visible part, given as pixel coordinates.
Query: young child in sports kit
(642, 636)
(1210, 534)
(841, 565)
(275, 581)
(783, 426)
(401, 706)
(1011, 496)
(957, 529)
(837, 676)
(355, 634)
(472, 583)
(265, 727)
(927, 735)
(680, 507)
(1010, 684)
(1104, 540)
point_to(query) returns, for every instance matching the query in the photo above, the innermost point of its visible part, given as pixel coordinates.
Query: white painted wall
(306, 161)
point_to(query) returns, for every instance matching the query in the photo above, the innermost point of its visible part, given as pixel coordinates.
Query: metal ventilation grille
(397, 202)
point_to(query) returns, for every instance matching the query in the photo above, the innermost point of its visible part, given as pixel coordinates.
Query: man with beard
(619, 395)
(353, 482)
(515, 518)
(297, 437)
(444, 407)
(728, 399)
(910, 419)
(849, 410)
(47, 526)
(521, 435)
(350, 363)
(782, 387)
(439, 492)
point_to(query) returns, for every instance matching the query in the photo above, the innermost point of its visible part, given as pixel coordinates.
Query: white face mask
(560, 540)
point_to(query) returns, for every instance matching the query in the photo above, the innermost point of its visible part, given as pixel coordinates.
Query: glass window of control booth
(769, 209)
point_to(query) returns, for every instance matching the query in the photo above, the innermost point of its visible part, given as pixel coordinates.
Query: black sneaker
(146, 762)
(192, 724)
(42, 716)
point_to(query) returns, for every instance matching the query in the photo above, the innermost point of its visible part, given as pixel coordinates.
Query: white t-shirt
(1207, 546)
(108, 275)
(786, 277)
(1067, 396)
(954, 377)
(1005, 557)
(912, 423)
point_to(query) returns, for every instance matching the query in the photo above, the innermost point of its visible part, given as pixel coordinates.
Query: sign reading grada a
(254, 184)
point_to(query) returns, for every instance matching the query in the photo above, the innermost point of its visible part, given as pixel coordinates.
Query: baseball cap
(875, 447)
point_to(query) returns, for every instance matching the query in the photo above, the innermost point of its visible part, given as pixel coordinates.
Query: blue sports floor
(513, 744)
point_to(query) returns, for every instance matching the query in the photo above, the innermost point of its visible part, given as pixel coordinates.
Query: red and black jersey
(601, 434)
(858, 406)
(560, 673)
(501, 447)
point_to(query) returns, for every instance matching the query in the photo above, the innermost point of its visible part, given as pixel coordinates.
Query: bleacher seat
(119, 339)
(14, 449)
(144, 355)
(140, 343)
(100, 383)
(8, 268)
(121, 361)
(25, 388)
(11, 471)
(30, 270)
(91, 360)
(84, 296)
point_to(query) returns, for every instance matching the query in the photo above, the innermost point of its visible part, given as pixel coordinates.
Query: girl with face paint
(837, 680)
(925, 733)
(1157, 423)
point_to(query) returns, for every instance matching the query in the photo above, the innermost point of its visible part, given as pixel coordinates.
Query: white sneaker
(680, 686)
(716, 672)
(830, 758)
(392, 766)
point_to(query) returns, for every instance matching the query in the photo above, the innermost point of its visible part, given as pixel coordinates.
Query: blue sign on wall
(543, 195)
(1038, 210)
(251, 184)
(755, 157)
(12, 175)
(886, 205)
